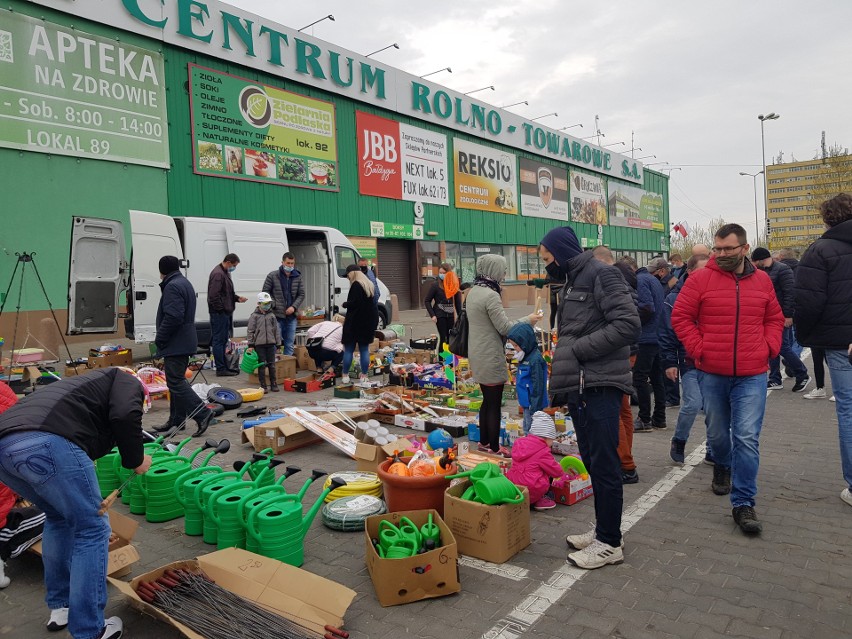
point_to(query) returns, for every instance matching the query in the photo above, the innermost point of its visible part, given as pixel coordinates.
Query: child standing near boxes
(531, 379)
(533, 465)
(264, 336)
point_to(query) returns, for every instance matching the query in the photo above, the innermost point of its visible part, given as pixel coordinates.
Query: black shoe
(677, 451)
(659, 426)
(746, 519)
(801, 385)
(226, 373)
(721, 484)
(642, 427)
(164, 428)
(203, 424)
(274, 388)
(672, 404)
(629, 476)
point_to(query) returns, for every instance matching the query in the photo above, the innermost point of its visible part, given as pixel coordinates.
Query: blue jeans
(735, 407)
(596, 424)
(363, 353)
(797, 348)
(288, 332)
(841, 384)
(220, 325)
(691, 404)
(791, 360)
(527, 419)
(59, 478)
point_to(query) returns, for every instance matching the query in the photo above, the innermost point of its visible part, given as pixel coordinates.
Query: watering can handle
(517, 499)
(214, 513)
(273, 491)
(466, 473)
(182, 444)
(179, 495)
(251, 520)
(203, 484)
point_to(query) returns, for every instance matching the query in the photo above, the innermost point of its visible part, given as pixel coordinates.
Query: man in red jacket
(731, 307)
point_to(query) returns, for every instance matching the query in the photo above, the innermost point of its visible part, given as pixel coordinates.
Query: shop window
(430, 260)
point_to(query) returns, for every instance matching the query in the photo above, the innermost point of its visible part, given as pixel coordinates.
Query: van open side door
(97, 275)
(154, 235)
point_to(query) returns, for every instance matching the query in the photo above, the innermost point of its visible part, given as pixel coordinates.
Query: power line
(686, 195)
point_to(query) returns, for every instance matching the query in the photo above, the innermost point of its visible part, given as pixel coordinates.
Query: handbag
(458, 335)
(314, 342)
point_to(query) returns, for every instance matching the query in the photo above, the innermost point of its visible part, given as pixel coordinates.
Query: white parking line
(515, 573)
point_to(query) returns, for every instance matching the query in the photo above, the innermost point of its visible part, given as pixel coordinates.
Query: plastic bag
(202, 389)
(421, 465)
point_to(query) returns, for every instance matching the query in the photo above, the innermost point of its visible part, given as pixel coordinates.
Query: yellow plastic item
(357, 483)
(251, 394)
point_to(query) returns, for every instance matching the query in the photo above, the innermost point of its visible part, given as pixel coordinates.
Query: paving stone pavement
(688, 571)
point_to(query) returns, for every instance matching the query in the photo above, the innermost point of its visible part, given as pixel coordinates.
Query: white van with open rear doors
(100, 269)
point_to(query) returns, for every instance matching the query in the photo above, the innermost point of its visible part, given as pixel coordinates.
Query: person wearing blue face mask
(221, 302)
(287, 289)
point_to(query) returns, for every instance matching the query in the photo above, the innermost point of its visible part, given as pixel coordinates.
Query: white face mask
(519, 355)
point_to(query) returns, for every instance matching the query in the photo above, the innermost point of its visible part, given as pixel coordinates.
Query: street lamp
(613, 144)
(482, 89)
(653, 163)
(508, 106)
(546, 115)
(570, 127)
(764, 118)
(394, 46)
(674, 168)
(753, 177)
(328, 17)
(447, 69)
(647, 156)
(598, 134)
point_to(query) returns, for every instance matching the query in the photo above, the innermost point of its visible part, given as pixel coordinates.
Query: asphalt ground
(688, 571)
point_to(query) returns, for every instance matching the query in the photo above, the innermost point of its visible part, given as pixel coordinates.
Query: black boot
(677, 450)
(261, 376)
(747, 520)
(203, 423)
(273, 380)
(721, 484)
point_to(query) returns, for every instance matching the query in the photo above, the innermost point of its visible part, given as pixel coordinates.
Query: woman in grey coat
(489, 326)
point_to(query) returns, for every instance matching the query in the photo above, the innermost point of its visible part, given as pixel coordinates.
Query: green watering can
(278, 528)
(135, 496)
(158, 484)
(406, 540)
(478, 472)
(250, 362)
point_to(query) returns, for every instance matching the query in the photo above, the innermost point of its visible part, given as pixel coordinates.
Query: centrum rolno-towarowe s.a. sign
(220, 30)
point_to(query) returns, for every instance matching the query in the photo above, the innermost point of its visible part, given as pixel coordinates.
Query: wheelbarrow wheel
(216, 407)
(227, 397)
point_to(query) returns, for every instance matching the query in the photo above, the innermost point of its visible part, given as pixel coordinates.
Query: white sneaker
(585, 539)
(817, 393)
(364, 381)
(58, 620)
(831, 399)
(345, 380)
(846, 495)
(113, 627)
(596, 555)
(4, 580)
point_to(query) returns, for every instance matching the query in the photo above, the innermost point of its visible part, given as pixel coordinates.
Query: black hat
(169, 264)
(352, 267)
(760, 253)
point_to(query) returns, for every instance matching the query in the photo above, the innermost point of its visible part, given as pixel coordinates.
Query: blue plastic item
(473, 432)
(439, 438)
(251, 423)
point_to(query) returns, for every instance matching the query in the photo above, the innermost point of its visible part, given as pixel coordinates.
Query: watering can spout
(309, 516)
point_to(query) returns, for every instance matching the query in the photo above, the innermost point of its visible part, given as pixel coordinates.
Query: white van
(100, 270)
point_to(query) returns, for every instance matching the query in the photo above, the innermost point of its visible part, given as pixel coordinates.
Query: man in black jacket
(176, 341)
(823, 297)
(287, 289)
(598, 321)
(221, 302)
(47, 443)
(783, 281)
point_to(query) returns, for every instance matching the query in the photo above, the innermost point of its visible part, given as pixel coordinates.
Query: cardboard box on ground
(490, 533)
(307, 599)
(98, 359)
(122, 553)
(285, 366)
(397, 581)
(286, 434)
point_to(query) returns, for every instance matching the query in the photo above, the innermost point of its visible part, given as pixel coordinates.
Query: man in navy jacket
(647, 372)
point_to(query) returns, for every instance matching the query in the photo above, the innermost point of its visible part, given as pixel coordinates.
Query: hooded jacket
(531, 380)
(95, 411)
(533, 465)
(263, 329)
(488, 324)
(823, 291)
(729, 325)
(783, 282)
(597, 320)
(272, 285)
(652, 293)
(176, 334)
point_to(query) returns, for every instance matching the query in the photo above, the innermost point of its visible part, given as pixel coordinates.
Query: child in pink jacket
(533, 465)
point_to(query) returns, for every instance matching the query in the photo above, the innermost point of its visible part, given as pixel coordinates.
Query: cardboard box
(307, 599)
(575, 491)
(308, 384)
(281, 435)
(350, 391)
(73, 371)
(398, 581)
(368, 457)
(122, 553)
(426, 423)
(303, 361)
(490, 533)
(374, 345)
(285, 367)
(415, 357)
(97, 359)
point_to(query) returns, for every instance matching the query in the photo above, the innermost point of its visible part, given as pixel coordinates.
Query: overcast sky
(688, 78)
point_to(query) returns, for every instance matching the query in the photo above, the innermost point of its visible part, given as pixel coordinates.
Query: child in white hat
(533, 464)
(264, 336)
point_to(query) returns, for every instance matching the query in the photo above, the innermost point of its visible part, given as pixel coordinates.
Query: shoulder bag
(458, 335)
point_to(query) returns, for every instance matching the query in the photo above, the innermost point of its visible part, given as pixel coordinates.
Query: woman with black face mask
(444, 302)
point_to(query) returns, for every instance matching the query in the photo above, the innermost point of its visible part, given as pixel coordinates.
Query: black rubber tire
(216, 407)
(228, 397)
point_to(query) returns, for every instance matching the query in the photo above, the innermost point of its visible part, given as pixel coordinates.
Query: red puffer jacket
(729, 325)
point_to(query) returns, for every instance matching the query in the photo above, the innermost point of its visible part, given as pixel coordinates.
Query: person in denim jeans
(47, 443)
(728, 318)
(674, 361)
(823, 298)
